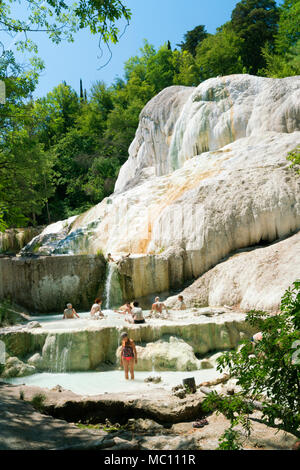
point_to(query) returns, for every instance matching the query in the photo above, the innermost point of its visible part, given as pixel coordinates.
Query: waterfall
(108, 285)
(56, 352)
(64, 359)
(113, 291)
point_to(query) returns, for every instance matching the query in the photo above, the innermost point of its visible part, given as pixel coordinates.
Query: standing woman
(128, 355)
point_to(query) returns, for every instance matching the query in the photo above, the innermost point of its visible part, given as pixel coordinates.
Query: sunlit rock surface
(93, 344)
(46, 284)
(148, 153)
(14, 239)
(21, 427)
(14, 367)
(207, 175)
(46, 241)
(174, 354)
(253, 278)
(216, 113)
(218, 202)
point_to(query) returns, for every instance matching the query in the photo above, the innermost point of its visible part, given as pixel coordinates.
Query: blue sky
(155, 20)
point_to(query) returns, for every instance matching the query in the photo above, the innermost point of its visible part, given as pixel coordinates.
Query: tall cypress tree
(81, 91)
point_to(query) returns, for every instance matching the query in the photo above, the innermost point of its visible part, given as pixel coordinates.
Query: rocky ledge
(174, 343)
(153, 421)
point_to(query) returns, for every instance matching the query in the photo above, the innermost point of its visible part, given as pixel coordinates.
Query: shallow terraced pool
(93, 383)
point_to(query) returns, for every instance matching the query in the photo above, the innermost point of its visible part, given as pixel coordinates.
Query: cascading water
(57, 352)
(113, 291)
(108, 285)
(64, 359)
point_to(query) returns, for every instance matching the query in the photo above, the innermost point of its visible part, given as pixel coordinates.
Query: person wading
(128, 355)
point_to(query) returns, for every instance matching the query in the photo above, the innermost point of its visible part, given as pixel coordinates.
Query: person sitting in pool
(181, 304)
(70, 312)
(128, 355)
(122, 258)
(137, 314)
(125, 309)
(158, 306)
(110, 258)
(96, 309)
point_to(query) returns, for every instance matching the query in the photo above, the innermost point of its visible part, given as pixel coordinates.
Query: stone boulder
(253, 279)
(33, 324)
(37, 361)
(14, 367)
(144, 426)
(174, 354)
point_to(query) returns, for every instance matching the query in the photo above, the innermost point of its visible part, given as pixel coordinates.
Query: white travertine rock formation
(216, 113)
(148, 151)
(174, 354)
(172, 344)
(207, 175)
(217, 202)
(14, 367)
(253, 278)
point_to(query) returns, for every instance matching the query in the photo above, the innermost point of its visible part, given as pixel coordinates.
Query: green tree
(161, 69)
(25, 171)
(29, 132)
(192, 39)
(60, 20)
(220, 54)
(188, 71)
(288, 27)
(56, 113)
(101, 178)
(255, 21)
(283, 61)
(137, 65)
(281, 65)
(269, 373)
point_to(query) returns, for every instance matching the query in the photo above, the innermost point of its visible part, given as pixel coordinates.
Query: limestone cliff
(46, 284)
(206, 175)
(181, 122)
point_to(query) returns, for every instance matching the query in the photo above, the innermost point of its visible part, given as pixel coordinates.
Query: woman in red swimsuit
(128, 355)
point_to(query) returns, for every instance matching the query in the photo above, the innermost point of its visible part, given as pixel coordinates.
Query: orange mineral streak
(174, 192)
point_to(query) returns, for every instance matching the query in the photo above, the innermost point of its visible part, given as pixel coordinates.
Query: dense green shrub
(268, 373)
